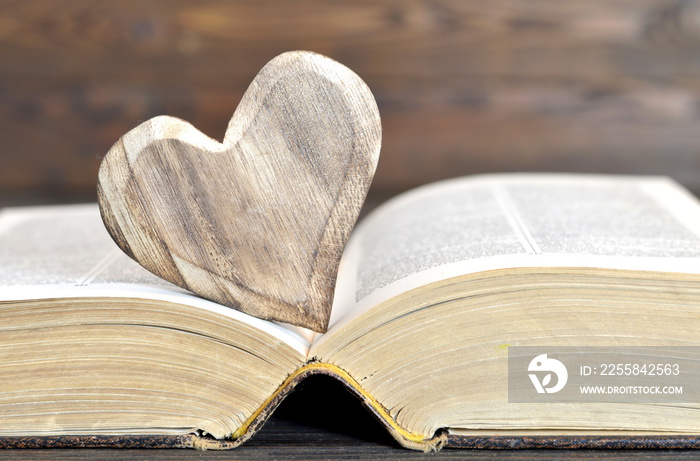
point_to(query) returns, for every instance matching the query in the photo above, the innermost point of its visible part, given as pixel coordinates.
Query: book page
(65, 251)
(490, 222)
(608, 218)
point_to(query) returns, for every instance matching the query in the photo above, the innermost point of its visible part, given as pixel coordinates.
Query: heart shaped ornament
(259, 222)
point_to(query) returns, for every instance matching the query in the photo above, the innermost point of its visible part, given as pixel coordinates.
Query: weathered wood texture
(463, 86)
(258, 222)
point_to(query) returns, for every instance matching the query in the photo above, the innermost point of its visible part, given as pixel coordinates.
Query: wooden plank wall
(463, 86)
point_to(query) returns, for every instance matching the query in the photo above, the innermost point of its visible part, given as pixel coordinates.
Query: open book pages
(489, 222)
(433, 289)
(94, 344)
(65, 251)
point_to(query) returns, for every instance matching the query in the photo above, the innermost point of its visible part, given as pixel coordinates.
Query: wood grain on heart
(258, 222)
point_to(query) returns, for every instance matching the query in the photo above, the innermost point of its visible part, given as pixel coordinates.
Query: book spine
(406, 439)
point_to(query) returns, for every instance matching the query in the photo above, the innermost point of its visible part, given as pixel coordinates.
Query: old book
(435, 287)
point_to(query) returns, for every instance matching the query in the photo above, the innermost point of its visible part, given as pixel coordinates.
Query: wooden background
(463, 86)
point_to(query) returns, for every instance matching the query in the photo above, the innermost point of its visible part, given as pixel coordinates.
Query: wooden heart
(258, 222)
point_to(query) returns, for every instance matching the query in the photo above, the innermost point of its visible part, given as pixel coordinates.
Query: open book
(434, 288)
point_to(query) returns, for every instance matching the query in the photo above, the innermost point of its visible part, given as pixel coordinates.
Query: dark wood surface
(463, 86)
